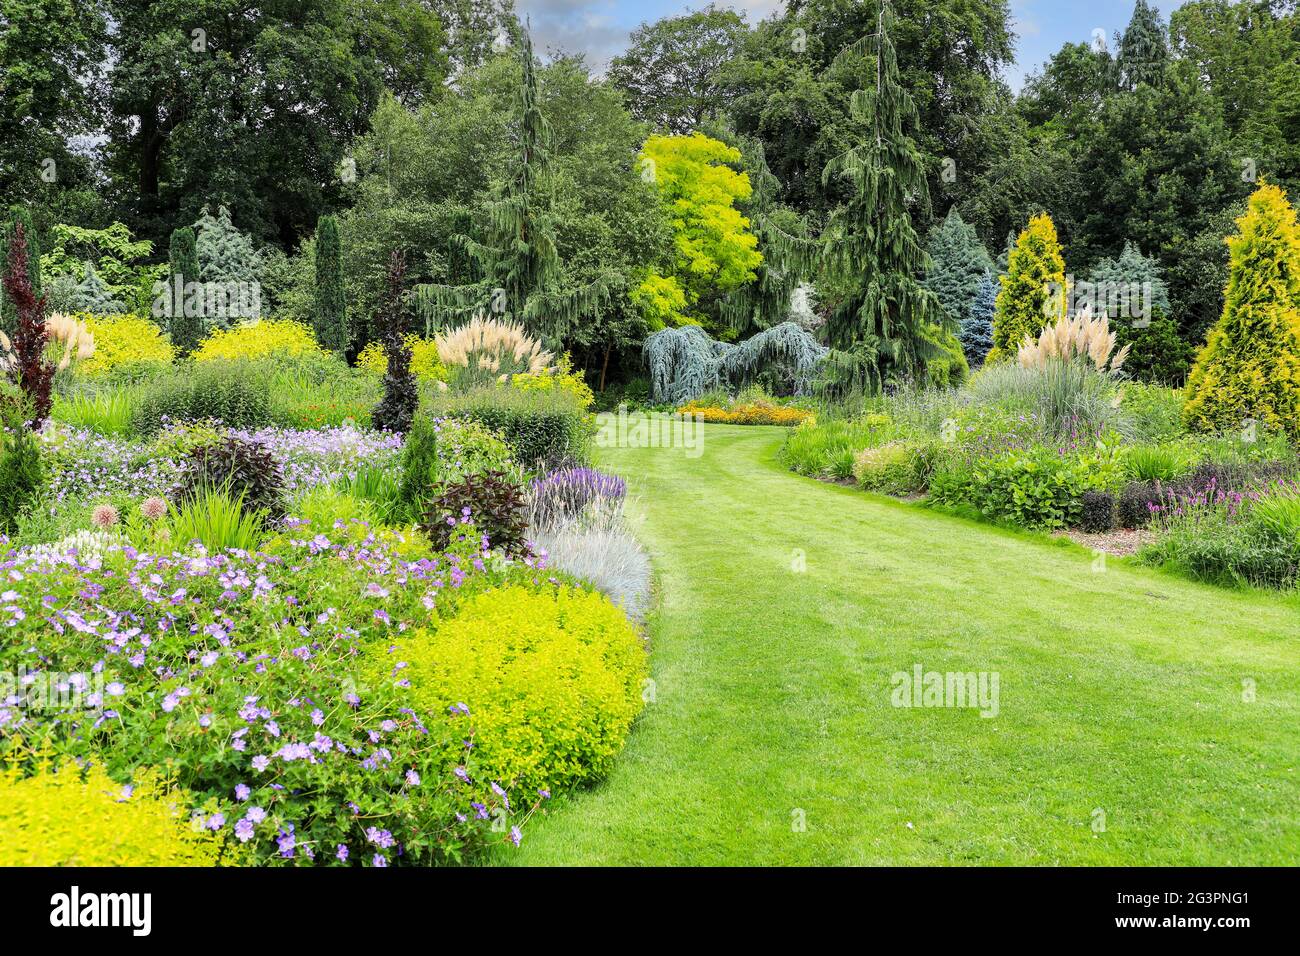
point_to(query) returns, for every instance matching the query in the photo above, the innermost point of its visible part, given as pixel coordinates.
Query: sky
(600, 28)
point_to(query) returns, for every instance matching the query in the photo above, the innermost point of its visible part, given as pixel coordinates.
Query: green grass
(1120, 691)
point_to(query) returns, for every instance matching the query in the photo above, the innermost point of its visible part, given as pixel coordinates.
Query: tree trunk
(604, 368)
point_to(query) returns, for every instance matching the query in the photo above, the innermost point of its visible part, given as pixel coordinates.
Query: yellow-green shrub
(424, 359)
(561, 379)
(889, 468)
(552, 679)
(67, 817)
(1250, 365)
(122, 340)
(269, 337)
(1033, 290)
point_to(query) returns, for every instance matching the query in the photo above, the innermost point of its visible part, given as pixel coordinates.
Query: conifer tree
(521, 271)
(1006, 252)
(958, 262)
(225, 253)
(1132, 293)
(1249, 369)
(93, 295)
(226, 257)
(976, 334)
(1144, 48)
(331, 318)
(183, 266)
(1033, 290)
(873, 254)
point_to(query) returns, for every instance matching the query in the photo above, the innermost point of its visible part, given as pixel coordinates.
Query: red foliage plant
(26, 363)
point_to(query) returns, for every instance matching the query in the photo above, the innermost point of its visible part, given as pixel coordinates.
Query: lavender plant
(565, 496)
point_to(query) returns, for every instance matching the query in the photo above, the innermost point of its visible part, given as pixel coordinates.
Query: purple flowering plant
(235, 675)
(564, 496)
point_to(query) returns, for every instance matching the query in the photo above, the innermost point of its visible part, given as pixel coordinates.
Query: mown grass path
(1120, 691)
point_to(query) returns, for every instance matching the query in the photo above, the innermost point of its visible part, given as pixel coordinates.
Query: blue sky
(600, 28)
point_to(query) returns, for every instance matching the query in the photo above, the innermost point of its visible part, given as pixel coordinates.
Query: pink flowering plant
(236, 674)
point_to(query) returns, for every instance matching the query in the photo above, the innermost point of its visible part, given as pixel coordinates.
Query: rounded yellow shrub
(561, 379)
(552, 679)
(269, 337)
(122, 340)
(424, 359)
(67, 817)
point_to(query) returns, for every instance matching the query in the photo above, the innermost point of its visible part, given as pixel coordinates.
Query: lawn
(1123, 733)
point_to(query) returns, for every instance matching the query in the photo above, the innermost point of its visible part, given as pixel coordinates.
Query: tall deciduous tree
(873, 254)
(670, 69)
(253, 105)
(331, 320)
(717, 252)
(51, 56)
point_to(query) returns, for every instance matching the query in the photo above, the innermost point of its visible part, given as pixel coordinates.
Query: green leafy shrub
(1155, 411)
(493, 501)
(22, 476)
(1036, 488)
(540, 426)
(64, 816)
(551, 678)
(237, 394)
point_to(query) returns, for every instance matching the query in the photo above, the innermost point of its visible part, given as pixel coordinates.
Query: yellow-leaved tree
(1033, 290)
(717, 251)
(1249, 369)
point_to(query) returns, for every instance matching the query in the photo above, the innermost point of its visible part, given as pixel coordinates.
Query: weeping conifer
(789, 256)
(521, 271)
(1144, 49)
(872, 251)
